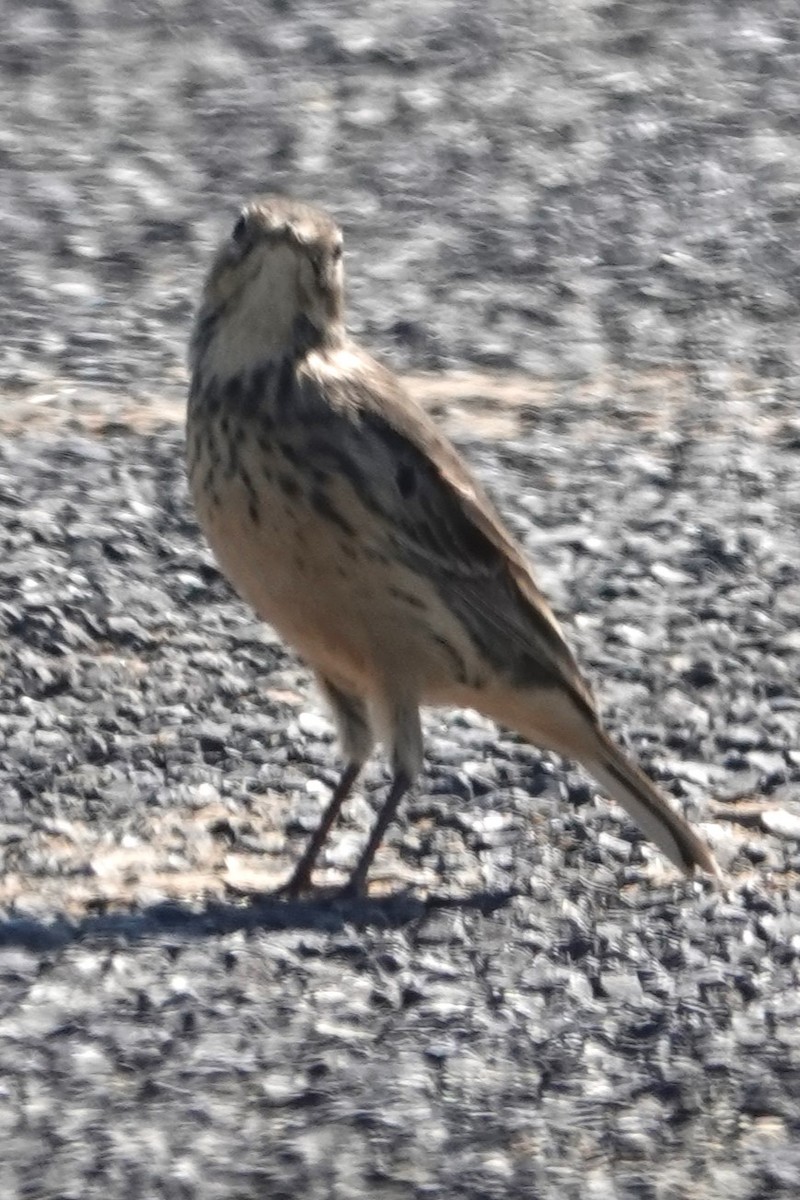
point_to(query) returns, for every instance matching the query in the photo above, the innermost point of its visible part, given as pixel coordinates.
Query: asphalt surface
(590, 211)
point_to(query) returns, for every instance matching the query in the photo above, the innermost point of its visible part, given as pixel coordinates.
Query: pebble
(782, 823)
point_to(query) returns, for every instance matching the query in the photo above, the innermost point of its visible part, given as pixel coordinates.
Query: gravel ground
(584, 218)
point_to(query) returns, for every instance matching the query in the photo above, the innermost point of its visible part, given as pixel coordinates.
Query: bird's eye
(239, 230)
(336, 252)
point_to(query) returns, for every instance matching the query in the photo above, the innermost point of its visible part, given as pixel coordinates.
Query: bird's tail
(624, 782)
(554, 719)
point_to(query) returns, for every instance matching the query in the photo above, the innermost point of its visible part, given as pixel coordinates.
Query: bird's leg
(352, 720)
(300, 880)
(400, 785)
(400, 718)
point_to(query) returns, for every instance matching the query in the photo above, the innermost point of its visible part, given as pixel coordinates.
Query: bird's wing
(440, 523)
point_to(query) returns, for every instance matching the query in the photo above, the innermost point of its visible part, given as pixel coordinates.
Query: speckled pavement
(574, 228)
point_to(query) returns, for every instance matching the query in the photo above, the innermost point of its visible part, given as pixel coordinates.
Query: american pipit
(350, 524)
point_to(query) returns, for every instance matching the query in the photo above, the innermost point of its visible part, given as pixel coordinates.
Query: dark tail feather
(624, 782)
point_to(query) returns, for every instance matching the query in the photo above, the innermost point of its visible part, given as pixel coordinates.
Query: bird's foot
(296, 885)
(355, 888)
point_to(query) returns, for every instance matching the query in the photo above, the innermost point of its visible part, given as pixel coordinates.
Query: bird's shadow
(320, 912)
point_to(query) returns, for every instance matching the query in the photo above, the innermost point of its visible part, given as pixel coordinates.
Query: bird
(348, 521)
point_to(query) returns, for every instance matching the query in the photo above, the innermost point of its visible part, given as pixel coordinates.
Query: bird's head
(275, 286)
